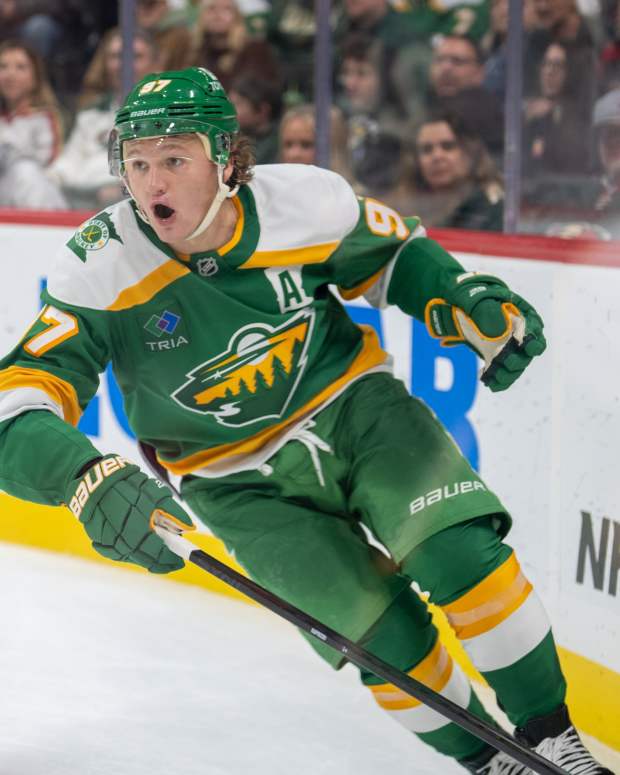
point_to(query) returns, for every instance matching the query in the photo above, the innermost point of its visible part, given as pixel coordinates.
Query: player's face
(173, 182)
(17, 79)
(443, 162)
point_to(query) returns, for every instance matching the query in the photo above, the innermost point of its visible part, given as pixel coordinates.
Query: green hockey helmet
(176, 102)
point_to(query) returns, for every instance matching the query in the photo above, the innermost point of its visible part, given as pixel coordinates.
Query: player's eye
(136, 165)
(174, 162)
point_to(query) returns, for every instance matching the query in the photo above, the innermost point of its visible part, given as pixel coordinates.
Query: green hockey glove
(501, 327)
(115, 502)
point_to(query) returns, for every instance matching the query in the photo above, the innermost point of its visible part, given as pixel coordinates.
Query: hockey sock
(406, 638)
(507, 635)
(496, 615)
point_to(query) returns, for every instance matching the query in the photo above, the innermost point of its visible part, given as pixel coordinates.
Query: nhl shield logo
(207, 267)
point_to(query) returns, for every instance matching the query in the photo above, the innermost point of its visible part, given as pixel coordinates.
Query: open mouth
(163, 212)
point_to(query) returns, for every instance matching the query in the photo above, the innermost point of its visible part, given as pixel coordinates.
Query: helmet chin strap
(223, 192)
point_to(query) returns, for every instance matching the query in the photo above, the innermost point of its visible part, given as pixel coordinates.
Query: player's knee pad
(453, 561)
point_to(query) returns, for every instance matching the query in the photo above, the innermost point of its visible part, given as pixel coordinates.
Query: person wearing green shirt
(210, 292)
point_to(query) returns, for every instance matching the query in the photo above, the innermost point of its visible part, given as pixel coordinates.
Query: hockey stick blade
(354, 653)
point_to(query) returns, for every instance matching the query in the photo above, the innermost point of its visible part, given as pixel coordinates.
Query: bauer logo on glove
(500, 326)
(115, 501)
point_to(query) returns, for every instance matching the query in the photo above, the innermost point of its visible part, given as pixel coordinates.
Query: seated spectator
(562, 206)
(398, 24)
(96, 86)
(382, 168)
(455, 86)
(38, 23)
(172, 36)
(609, 59)
(29, 115)
(457, 183)
(559, 21)
(259, 105)
(494, 44)
(82, 168)
(23, 183)
(555, 137)
(291, 30)
(225, 48)
(298, 138)
(366, 90)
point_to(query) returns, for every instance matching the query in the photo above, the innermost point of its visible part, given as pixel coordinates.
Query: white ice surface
(108, 672)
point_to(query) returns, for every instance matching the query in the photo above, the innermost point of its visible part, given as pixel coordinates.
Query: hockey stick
(499, 739)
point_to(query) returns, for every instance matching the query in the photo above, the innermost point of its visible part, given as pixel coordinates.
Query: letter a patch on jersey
(255, 378)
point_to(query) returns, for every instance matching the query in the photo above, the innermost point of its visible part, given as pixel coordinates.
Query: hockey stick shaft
(358, 655)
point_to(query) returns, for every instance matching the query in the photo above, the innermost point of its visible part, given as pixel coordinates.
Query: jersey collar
(235, 252)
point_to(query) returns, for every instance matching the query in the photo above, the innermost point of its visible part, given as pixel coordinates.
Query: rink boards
(548, 446)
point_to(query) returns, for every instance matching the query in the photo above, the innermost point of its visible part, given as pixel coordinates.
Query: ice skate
(554, 737)
(499, 763)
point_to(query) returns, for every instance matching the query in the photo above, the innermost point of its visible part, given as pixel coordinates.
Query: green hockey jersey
(219, 355)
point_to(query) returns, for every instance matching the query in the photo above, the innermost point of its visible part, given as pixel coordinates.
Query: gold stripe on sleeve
(60, 391)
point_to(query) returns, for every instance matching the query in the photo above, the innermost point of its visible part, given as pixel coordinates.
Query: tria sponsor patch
(443, 493)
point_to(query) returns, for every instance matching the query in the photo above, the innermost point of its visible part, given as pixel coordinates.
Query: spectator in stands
(382, 168)
(399, 24)
(606, 195)
(259, 106)
(102, 81)
(298, 138)
(173, 37)
(457, 183)
(82, 168)
(29, 114)
(581, 204)
(225, 47)
(493, 44)
(291, 30)
(366, 90)
(35, 22)
(555, 138)
(456, 76)
(559, 21)
(609, 61)
(23, 183)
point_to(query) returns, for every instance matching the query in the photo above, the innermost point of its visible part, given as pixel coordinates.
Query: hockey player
(208, 290)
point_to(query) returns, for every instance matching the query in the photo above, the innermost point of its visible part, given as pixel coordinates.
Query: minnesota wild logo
(255, 378)
(93, 235)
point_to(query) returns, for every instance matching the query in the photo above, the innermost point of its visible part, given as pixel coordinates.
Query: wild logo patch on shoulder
(93, 235)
